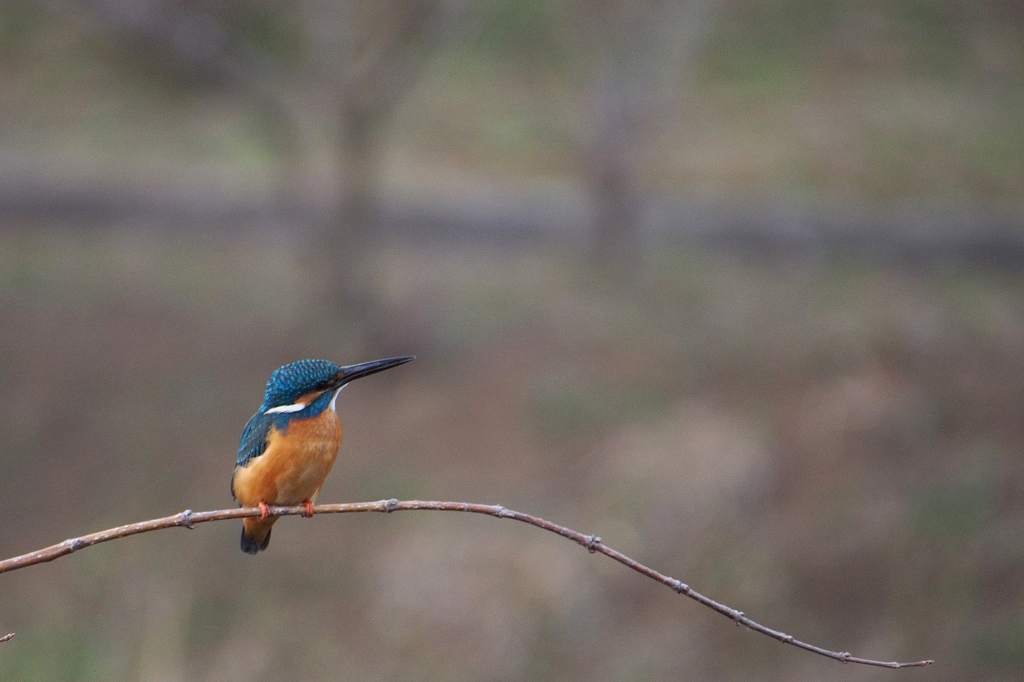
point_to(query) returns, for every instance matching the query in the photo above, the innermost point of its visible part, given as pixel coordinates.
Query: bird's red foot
(264, 511)
(308, 504)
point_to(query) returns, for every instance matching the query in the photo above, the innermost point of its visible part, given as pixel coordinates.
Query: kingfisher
(289, 446)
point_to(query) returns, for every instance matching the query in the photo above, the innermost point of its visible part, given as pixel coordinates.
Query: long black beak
(352, 372)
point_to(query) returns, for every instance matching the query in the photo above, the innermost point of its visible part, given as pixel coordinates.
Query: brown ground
(834, 450)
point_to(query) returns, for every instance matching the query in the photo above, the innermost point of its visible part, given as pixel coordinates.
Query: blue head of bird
(307, 387)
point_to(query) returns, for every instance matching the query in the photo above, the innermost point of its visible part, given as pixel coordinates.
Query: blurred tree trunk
(375, 55)
(354, 64)
(349, 232)
(610, 171)
(359, 151)
(639, 56)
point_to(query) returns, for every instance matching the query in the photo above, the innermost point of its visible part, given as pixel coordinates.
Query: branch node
(592, 542)
(390, 505)
(501, 512)
(185, 519)
(74, 544)
(787, 638)
(680, 587)
(845, 656)
(737, 615)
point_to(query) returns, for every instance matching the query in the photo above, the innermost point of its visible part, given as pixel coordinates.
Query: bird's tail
(256, 534)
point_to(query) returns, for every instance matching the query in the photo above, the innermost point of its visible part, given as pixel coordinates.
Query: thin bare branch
(6, 638)
(592, 543)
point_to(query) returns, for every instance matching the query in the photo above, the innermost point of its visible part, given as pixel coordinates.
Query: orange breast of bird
(294, 464)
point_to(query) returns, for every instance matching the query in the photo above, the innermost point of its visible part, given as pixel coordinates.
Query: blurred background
(737, 285)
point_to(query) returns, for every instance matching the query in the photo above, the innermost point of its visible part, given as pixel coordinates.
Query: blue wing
(254, 438)
(253, 442)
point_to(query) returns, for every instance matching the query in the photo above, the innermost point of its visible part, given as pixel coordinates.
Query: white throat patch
(334, 400)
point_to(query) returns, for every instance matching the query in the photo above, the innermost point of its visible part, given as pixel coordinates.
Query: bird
(289, 445)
